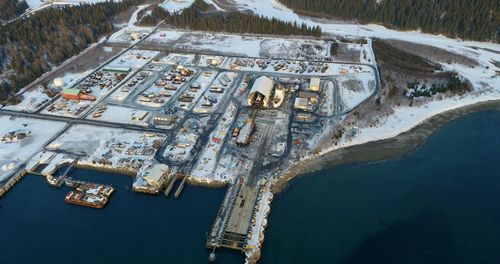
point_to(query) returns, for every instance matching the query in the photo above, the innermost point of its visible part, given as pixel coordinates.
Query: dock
(233, 224)
(11, 182)
(238, 225)
(171, 183)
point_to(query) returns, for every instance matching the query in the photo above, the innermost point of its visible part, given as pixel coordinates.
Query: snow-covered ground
(117, 148)
(204, 80)
(263, 207)
(472, 49)
(176, 5)
(134, 59)
(252, 46)
(123, 115)
(119, 95)
(32, 100)
(133, 18)
(13, 154)
(355, 89)
(37, 5)
(219, 97)
(209, 158)
(177, 59)
(404, 118)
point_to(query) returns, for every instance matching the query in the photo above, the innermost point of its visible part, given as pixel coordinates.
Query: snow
(405, 118)
(34, 3)
(134, 59)
(32, 101)
(272, 8)
(115, 148)
(267, 8)
(204, 79)
(70, 78)
(37, 5)
(133, 18)
(121, 114)
(173, 6)
(13, 154)
(211, 2)
(363, 88)
(256, 239)
(209, 158)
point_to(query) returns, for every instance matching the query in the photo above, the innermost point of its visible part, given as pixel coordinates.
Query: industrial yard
(198, 118)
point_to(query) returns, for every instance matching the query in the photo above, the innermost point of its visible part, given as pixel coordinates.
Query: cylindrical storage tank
(58, 82)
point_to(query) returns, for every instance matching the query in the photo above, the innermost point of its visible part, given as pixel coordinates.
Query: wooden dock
(11, 182)
(171, 183)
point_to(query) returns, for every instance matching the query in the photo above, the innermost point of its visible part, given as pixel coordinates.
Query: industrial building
(305, 99)
(301, 103)
(140, 115)
(157, 176)
(315, 84)
(261, 91)
(163, 120)
(76, 95)
(312, 97)
(117, 69)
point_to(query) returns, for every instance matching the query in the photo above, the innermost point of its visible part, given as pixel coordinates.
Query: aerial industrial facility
(171, 119)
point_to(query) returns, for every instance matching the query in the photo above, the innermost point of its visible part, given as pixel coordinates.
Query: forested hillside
(10, 9)
(193, 18)
(468, 19)
(33, 45)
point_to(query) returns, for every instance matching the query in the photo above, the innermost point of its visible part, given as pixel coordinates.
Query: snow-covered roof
(156, 173)
(262, 85)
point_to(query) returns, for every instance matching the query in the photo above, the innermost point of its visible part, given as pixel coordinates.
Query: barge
(90, 195)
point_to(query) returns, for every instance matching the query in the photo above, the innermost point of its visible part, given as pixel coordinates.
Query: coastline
(379, 150)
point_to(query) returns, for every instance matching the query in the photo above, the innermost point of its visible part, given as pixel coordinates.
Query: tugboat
(212, 258)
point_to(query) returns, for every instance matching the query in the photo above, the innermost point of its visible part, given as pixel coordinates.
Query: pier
(11, 182)
(233, 224)
(171, 183)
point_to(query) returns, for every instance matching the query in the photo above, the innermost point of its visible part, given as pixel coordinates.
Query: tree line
(454, 84)
(474, 19)
(32, 45)
(236, 22)
(10, 9)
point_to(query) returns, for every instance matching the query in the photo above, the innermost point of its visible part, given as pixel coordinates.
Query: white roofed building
(315, 84)
(157, 175)
(261, 91)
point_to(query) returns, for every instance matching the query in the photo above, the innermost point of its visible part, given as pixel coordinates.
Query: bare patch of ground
(80, 63)
(124, 16)
(344, 53)
(432, 53)
(354, 85)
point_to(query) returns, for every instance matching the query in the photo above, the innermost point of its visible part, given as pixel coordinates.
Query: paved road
(71, 120)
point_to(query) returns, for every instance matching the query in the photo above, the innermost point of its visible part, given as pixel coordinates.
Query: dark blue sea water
(439, 204)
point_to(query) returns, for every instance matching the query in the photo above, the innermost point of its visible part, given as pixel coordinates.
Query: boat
(212, 258)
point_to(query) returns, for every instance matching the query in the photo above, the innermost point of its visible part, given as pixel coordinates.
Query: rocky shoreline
(384, 149)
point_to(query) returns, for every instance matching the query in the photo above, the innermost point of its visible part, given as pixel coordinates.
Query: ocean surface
(438, 204)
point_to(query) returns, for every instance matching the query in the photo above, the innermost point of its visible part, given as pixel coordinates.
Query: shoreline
(380, 150)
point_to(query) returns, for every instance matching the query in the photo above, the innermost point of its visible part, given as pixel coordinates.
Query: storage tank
(58, 82)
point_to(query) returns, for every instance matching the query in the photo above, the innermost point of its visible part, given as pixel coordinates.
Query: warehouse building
(301, 103)
(314, 85)
(76, 95)
(157, 176)
(261, 91)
